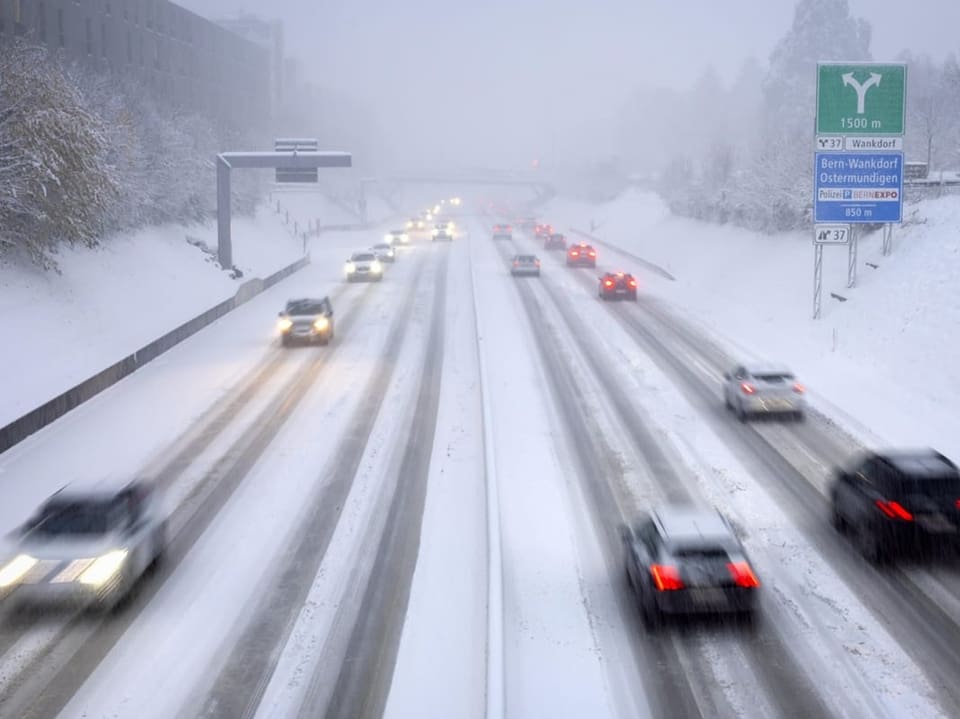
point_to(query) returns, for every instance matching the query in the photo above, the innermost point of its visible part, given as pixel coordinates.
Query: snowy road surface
(420, 520)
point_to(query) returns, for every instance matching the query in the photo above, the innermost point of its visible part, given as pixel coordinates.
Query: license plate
(621, 291)
(936, 523)
(708, 597)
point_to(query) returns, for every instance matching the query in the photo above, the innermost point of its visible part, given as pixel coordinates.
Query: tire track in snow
(667, 688)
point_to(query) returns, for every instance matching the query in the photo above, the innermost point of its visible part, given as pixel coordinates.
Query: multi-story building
(268, 34)
(183, 59)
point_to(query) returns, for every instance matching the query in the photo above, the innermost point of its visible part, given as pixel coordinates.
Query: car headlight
(376, 267)
(388, 239)
(285, 324)
(404, 237)
(15, 570)
(104, 568)
(351, 268)
(321, 323)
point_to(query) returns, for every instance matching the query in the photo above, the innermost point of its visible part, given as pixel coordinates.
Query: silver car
(525, 266)
(764, 389)
(384, 252)
(86, 547)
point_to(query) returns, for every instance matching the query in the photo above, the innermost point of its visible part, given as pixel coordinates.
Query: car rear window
(704, 553)
(364, 257)
(947, 486)
(774, 378)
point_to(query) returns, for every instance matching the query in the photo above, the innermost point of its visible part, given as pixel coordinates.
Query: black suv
(306, 320)
(898, 501)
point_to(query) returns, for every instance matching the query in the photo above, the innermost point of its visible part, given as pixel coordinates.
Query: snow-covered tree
(56, 182)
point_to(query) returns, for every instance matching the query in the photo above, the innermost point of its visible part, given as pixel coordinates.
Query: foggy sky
(494, 81)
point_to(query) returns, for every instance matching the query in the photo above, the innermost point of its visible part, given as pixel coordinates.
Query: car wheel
(869, 545)
(799, 416)
(836, 518)
(285, 341)
(741, 412)
(159, 548)
(652, 617)
(726, 401)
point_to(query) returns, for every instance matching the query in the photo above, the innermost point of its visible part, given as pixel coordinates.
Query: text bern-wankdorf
(859, 171)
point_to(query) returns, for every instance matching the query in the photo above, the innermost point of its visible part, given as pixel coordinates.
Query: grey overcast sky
(521, 70)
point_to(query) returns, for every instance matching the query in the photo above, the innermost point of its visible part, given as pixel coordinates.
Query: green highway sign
(860, 98)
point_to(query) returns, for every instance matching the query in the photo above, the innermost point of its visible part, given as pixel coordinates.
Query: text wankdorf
(859, 170)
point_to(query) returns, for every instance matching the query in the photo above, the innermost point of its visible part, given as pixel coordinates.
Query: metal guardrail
(39, 417)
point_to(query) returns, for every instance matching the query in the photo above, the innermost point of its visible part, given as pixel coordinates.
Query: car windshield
(383, 246)
(80, 518)
(363, 257)
(305, 307)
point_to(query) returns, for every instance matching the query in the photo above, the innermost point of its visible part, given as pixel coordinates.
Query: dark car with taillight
(618, 286)
(555, 241)
(582, 255)
(502, 232)
(896, 502)
(542, 231)
(687, 560)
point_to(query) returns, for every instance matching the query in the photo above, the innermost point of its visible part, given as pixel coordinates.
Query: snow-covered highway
(330, 549)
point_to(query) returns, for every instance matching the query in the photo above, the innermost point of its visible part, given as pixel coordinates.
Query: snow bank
(60, 329)
(885, 358)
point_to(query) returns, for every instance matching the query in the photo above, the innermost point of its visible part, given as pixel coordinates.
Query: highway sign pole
(817, 279)
(852, 258)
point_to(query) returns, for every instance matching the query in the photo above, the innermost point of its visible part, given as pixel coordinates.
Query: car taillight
(957, 504)
(665, 577)
(894, 510)
(633, 283)
(516, 264)
(742, 575)
(799, 388)
(574, 254)
(608, 283)
(747, 388)
(537, 263)
(592, 253)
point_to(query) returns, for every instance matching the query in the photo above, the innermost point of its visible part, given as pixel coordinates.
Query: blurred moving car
(502, 232)
(396, 237)
(542, 231)
(384, 252)
(443, 231)
(364, 267)
(900, 501)
(618, 286)
(527, 223)
(525, 266)
(306, 321)
(763, 389)
(582, 255)
(683, 560)
(415, 224)
(555, 241)
(86, 546)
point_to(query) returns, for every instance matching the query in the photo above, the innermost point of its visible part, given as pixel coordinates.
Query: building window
(41, 27)
(106, 7)
(61, 35)
(141, 51)
(18, 17)
(129, 49)
(148, 14)
(136, 12)
(123, 6)
(89, 36)
(103, 39)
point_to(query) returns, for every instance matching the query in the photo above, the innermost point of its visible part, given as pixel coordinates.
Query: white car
(397, 237)
(764, 389)
(364, 267)
(87, 546)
